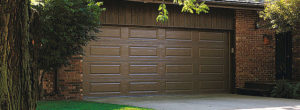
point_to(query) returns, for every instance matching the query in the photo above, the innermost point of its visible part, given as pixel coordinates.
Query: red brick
(69, 82)
(255, 61)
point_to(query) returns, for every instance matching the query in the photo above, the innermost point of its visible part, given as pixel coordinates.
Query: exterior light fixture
(267, 39)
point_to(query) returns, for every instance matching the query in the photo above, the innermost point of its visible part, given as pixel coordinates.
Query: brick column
(70, 80)
(255, 59)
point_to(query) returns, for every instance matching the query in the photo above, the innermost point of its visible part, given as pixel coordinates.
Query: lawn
(82, 105)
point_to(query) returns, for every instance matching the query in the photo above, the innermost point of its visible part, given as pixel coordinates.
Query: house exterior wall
(255, 59)
(70, 79)
(69, 82)
(141, 14)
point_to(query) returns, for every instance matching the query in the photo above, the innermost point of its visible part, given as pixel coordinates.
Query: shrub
(284, 89)
(64, 27)
(60, 30)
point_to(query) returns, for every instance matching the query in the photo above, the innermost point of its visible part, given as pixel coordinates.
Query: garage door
(138, 61)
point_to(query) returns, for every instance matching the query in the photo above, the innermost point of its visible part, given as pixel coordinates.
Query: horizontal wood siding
(141, 14)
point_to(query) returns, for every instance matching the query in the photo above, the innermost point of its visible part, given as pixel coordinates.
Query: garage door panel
(145, 77)
(211, 77)
(211, 45)
(96, 77)
(92, 78)
(135, 61)
(143, 42)
(113, 32)
(179, 69)
(143, 51)
(178, 35)
(179, 86)
(103, 59)
(211, 36)
(211, 69)
(203, 52)
(109, 50)
(141, 59)
(105, 87)
(178, 52)
(126, 42)
(105, 69)
(105, 50)
(143, 33)
(204, 77)
(147, 42)
(144, 87)
(211, 61)
(143, 69)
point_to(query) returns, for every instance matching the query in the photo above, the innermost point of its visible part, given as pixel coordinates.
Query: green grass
(82, 105)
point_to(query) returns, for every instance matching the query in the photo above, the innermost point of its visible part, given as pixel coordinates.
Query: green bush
(64, 27)
(284, 89)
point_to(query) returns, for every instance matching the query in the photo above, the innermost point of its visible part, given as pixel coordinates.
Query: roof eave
(216, 4)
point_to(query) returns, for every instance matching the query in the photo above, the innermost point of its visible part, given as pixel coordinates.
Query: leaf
(162, 14)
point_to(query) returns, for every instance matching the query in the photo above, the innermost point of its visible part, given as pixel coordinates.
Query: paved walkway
(205, 102)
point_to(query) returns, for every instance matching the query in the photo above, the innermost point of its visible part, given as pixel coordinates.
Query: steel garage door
(135, 61)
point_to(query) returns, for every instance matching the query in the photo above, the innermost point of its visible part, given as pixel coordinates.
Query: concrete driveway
(205, 102)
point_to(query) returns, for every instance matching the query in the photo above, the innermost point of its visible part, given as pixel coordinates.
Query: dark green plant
(63, 29)
(284, 89)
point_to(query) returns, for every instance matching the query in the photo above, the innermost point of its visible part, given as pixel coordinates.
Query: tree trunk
(35, 34)
(17, 83)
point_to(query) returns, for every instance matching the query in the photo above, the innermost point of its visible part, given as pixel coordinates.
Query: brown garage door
(135, 60)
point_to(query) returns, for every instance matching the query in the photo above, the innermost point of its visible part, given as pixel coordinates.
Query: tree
(190, 6)
(17, 84)
(57, 26)
(282, 15)
(64, 27)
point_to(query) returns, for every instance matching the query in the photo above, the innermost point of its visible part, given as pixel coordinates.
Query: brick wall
(255, 59)
(69, 82)
(48, 84)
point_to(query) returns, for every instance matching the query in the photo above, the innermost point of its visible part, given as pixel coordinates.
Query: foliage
(64, 27)
(282, 15)
(284, 89)
(163, 13)
(82, 105)
(190, 6)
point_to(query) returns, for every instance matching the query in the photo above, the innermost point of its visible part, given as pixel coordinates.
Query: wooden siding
(141, 14)
(217, 4)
